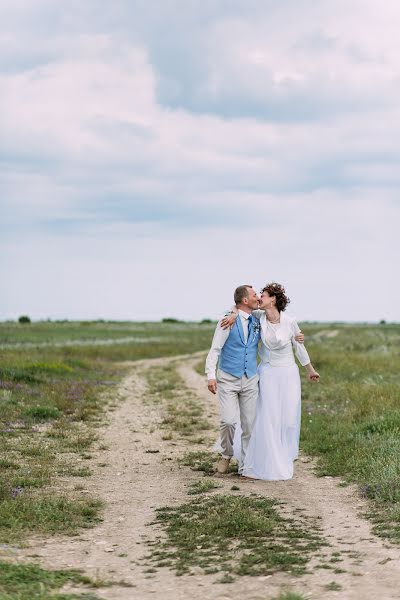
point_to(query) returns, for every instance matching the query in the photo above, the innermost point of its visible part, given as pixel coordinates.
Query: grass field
(52, 398)
(351, 420)
(107, 340)
(56, 379)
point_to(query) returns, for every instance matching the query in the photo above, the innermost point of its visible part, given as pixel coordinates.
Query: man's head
(246, 298)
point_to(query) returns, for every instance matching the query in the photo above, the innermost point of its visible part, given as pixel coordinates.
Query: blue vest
(238, 358)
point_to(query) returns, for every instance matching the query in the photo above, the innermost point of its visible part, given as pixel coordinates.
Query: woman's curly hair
(277, 290)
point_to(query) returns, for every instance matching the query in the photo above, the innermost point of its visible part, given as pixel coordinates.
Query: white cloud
(257, 142)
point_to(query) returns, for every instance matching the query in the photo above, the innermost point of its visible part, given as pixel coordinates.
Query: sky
(155, 155)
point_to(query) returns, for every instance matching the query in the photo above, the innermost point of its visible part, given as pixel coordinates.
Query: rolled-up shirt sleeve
(219, 339)
(299, 349)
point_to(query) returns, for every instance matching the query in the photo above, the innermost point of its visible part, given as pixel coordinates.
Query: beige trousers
(236, 395)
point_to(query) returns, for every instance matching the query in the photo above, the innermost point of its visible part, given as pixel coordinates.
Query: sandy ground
(133, 483)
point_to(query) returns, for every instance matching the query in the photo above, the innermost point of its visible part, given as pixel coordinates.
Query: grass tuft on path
(183, 414)
(202, 487)
(30, 581)
(234, 535)
(290, 596)
(201, 460)
(204, 461)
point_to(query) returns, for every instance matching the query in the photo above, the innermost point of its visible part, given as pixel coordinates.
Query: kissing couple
(260, 405)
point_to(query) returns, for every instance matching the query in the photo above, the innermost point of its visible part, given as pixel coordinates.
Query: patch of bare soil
(135, 482)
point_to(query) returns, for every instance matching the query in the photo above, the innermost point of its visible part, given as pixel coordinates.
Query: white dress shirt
(219, 339)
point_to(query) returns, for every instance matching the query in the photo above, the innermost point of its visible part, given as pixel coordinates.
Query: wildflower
(17, 491)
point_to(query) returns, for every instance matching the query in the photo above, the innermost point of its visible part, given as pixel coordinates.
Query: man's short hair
(241, 292)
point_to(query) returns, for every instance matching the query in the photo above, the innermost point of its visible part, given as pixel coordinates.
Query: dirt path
(134, 482)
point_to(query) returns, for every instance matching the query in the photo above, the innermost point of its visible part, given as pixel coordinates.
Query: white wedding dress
(274, 442)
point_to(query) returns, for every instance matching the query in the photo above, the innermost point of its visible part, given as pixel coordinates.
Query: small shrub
(42, 413)
(170, 320)
(24, 319)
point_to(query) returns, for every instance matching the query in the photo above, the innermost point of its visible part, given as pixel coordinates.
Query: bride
(274, 442)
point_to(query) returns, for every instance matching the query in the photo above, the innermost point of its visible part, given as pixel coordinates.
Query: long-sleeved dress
(274, 442)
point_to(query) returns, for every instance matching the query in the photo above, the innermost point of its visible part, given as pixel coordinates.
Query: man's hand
(212, 385)
(300, 337)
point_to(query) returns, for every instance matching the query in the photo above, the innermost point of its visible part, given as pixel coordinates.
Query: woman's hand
(228, 321)
(312, 374)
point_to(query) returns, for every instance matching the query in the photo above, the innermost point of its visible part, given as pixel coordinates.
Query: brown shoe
(223, 465)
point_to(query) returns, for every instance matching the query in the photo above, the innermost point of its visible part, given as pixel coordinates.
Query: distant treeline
(172, 320)
(25, 319)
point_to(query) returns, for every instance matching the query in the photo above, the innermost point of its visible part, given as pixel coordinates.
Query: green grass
(183, 413)
(56, 379)
(31, 582)
(200, 461)
(351, 420)
(290, 596)
(45, 514)
(202, 487)
(199, 367)
(108, 340)
(48, 411)
(52, 398)
(204, 461)
(233, 535)
(333, 587)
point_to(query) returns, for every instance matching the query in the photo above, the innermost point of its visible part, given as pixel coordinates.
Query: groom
(236, 381)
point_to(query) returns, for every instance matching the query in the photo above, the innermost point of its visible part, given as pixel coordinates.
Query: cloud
(198, 144)
(290, 62)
